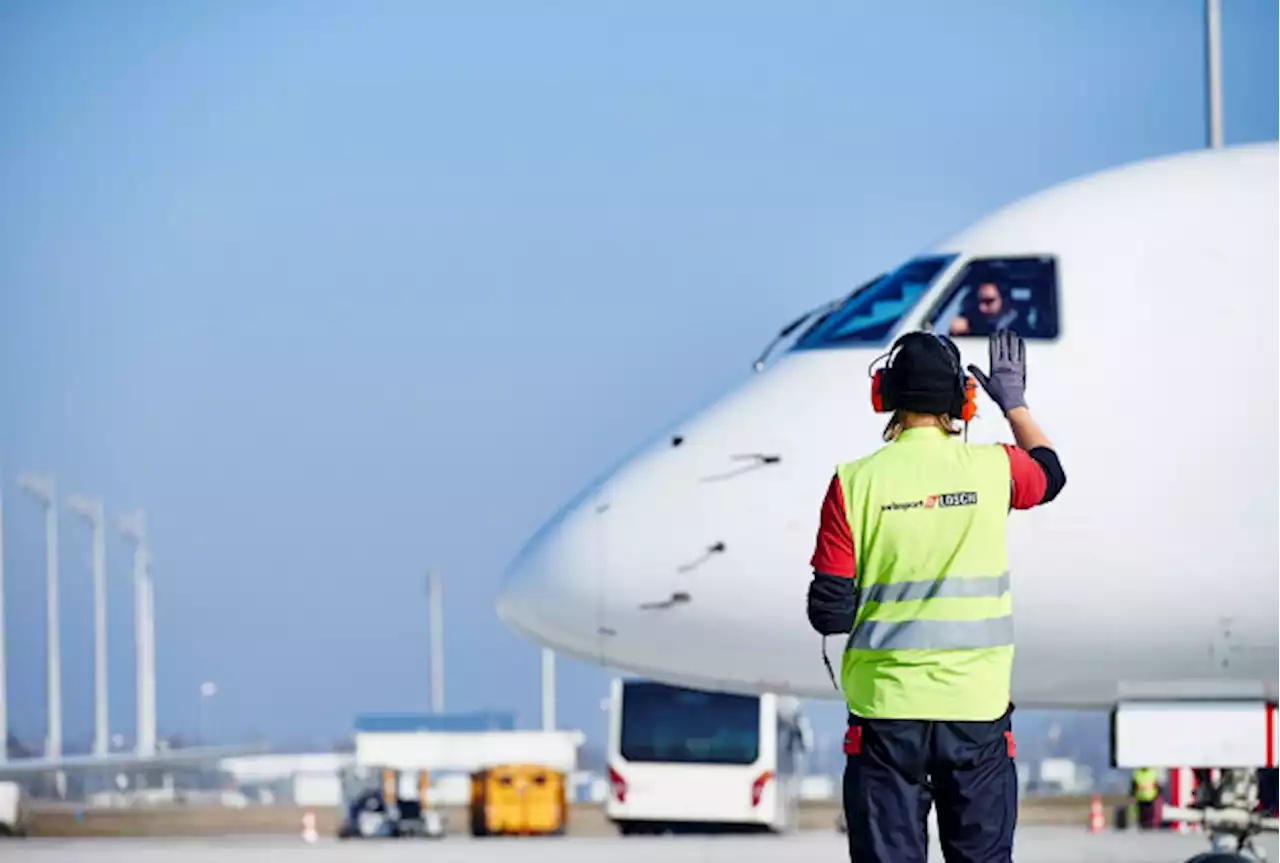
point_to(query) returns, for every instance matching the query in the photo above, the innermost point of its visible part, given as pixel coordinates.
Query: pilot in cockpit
(984, 312)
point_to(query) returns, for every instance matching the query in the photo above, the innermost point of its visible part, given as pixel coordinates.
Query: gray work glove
(1007, 385)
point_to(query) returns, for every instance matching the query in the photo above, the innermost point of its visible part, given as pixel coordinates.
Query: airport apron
(926, 671)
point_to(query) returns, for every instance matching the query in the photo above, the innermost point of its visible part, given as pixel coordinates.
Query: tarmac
(1035, 844)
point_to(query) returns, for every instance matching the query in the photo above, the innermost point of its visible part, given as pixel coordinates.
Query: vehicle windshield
(670, 724)
(871, 314)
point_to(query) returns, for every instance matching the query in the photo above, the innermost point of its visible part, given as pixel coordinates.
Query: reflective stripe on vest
(926, 633)
(933, 635)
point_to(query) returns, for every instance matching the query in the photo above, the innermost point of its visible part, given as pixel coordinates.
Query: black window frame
(962, 276)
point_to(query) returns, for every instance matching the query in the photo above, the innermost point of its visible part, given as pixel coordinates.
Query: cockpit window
(869, 315)
(990, 294)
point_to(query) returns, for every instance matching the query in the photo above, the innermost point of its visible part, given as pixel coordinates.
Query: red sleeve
(1027, 478)
(834, 552)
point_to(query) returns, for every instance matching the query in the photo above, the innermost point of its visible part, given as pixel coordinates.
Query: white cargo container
(467, 751)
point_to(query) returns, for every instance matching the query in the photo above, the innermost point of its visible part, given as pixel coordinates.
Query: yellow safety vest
(933, 635)
(1146, 785)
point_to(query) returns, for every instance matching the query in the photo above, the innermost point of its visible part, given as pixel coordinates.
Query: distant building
(1063, 776)
(306, 779)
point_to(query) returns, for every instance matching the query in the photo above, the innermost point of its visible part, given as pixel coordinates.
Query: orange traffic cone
(309, 834)
(1097, 822)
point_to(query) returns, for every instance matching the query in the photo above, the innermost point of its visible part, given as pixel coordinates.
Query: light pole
(548, 689)
(91, 511)
(1213, 69)
(4, 707)
(436, 635)
(134, 527)
(43, 488)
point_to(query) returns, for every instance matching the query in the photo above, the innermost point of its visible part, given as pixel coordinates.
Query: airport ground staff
(926, 670)
(1146, 788)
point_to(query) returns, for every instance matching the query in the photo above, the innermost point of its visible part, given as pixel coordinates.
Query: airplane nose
(550, 591)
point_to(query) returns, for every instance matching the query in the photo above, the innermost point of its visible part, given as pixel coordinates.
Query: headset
(964, 401)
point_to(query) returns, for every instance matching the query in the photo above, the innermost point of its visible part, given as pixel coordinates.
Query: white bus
(684, 759)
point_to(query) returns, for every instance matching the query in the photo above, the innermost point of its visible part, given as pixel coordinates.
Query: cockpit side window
(871, 314)
(990, 294)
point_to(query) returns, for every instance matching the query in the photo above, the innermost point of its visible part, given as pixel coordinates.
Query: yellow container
(518, 799)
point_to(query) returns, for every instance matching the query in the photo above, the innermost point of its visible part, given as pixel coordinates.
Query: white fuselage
(1153, 574)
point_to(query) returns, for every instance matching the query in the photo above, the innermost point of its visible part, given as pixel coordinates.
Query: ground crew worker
(1145, 790)
(926, 670)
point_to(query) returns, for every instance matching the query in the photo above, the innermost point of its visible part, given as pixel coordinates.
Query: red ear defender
(877, 397)
(970, 408)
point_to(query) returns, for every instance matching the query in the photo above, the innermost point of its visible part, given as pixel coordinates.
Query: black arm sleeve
(832, 604)
(1055, 477)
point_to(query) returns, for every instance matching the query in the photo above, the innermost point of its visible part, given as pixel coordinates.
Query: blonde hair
(895, 425)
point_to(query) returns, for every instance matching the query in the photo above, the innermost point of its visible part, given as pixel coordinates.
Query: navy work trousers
(895, 767)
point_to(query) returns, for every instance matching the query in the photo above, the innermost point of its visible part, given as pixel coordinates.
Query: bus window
(870, 314)
(992, 294)
(674, 725)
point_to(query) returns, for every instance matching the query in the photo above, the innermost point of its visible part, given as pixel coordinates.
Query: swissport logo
(935, 501)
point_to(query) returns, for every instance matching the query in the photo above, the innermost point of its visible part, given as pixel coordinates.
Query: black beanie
(922, 374)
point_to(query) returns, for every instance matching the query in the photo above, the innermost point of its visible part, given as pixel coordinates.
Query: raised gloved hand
(1007, 384)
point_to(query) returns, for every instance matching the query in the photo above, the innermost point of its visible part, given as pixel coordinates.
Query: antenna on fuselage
(1213, 64)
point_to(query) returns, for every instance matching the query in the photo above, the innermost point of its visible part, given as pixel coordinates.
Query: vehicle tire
(1220, 857)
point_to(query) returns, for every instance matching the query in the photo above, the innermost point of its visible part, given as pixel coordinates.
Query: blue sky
(341, 291)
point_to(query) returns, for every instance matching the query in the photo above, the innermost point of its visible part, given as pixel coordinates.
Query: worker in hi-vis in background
(1145, 788)
(911, 562)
